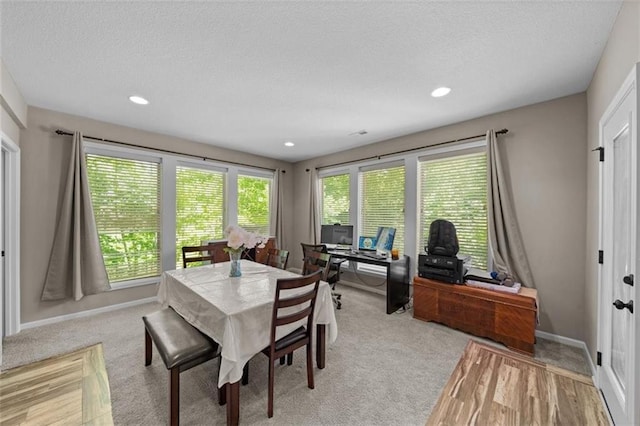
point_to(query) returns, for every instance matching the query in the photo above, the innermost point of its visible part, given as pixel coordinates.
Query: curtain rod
(168, 151)
(378, 157)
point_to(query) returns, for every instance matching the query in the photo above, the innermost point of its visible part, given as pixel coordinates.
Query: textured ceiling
(252, 75)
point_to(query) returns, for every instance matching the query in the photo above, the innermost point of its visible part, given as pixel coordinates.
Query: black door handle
(619, 304)
(628, 279)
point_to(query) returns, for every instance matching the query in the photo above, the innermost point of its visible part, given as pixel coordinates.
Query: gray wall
(546, 156)
(44, 159)
(620, 54)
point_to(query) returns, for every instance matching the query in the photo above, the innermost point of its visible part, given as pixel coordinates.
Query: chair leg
(271, 381)
(336, 300)
(245, 374)
(290, 358)
(147, 348)
(174, 397)
(222, 395)
(310, 367)
(222, 392)
(282, 360)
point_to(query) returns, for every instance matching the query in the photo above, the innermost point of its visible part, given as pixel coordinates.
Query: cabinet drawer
(516, 322)
(468, 310)
(425, 303)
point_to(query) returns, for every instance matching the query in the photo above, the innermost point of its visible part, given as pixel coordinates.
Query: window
(126, 200)
(148, 205)
(455, 189)
(200, 207)
(335, 199)
(253, 203)
(382, 202)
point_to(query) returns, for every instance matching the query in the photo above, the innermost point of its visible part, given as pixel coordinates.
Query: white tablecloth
(235, 312)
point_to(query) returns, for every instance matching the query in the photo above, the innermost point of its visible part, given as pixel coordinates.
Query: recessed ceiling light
(289, 144)
(138, 100)
(440, 91)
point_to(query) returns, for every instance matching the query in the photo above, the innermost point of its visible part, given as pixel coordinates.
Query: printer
(440, 261)
(448, 269)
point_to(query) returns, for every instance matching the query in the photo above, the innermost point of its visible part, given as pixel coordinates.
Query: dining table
(236, 313)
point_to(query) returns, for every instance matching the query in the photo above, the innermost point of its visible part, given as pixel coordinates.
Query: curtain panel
(76, 266)
(277, 208)
(505, 240)
(314, 207)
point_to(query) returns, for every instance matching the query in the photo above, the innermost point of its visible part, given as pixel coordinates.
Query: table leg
(320, 345)
(233, 403)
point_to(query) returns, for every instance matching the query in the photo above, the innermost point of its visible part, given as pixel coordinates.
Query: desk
(236, 313)
(397, 276)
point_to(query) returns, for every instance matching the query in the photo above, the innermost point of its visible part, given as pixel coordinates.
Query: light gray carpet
(383, 369)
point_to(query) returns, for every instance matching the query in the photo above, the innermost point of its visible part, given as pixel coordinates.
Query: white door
(2, 246)
(616, 322)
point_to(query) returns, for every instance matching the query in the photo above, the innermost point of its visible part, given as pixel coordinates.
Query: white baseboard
(87, 313)
(570, 342)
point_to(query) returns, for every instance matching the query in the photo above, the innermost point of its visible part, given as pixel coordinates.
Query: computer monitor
(336, 234)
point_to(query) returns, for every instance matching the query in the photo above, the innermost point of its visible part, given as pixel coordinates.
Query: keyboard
(372, 255)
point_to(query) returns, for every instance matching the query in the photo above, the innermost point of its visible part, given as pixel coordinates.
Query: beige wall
(9, 127)
(621, 53)
(546, 156)
(44, 159)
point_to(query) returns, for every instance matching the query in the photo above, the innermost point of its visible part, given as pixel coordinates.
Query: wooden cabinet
(504, 317)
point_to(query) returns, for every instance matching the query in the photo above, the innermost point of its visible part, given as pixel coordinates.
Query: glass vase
(235, 270)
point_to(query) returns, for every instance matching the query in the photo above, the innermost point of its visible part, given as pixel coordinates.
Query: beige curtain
(504, 236)
(76, 267)
(277, 222)
(314, 207)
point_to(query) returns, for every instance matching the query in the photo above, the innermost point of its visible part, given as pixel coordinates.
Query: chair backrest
(283, 305)
(278, 258)
(191, 254)
(316, 261)
(322, 248)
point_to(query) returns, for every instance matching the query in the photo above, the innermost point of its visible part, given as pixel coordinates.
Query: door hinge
(601, 149)
(600, 256)
(599, 358)
(2, 253)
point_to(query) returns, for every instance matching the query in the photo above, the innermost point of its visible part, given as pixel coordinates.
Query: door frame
(11, 296)
(629, 84)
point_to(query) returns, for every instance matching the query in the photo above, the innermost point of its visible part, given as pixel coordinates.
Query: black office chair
(334, 269)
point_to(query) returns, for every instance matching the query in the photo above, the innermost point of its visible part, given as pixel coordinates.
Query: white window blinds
(382, 202)
(335, 199)
(253, 203)
(199, 207)
(455, 189)
(126, 201)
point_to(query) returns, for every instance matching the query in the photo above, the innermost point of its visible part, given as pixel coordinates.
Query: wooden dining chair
(278, 258)
(281, 316)
(192, 254)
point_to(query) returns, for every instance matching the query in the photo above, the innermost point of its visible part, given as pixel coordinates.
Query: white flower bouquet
(238, 239)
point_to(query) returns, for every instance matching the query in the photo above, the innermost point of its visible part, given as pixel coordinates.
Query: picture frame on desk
(385, 237)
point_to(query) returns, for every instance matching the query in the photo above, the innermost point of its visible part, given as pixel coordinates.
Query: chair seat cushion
(295, 336)
(177, 341)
